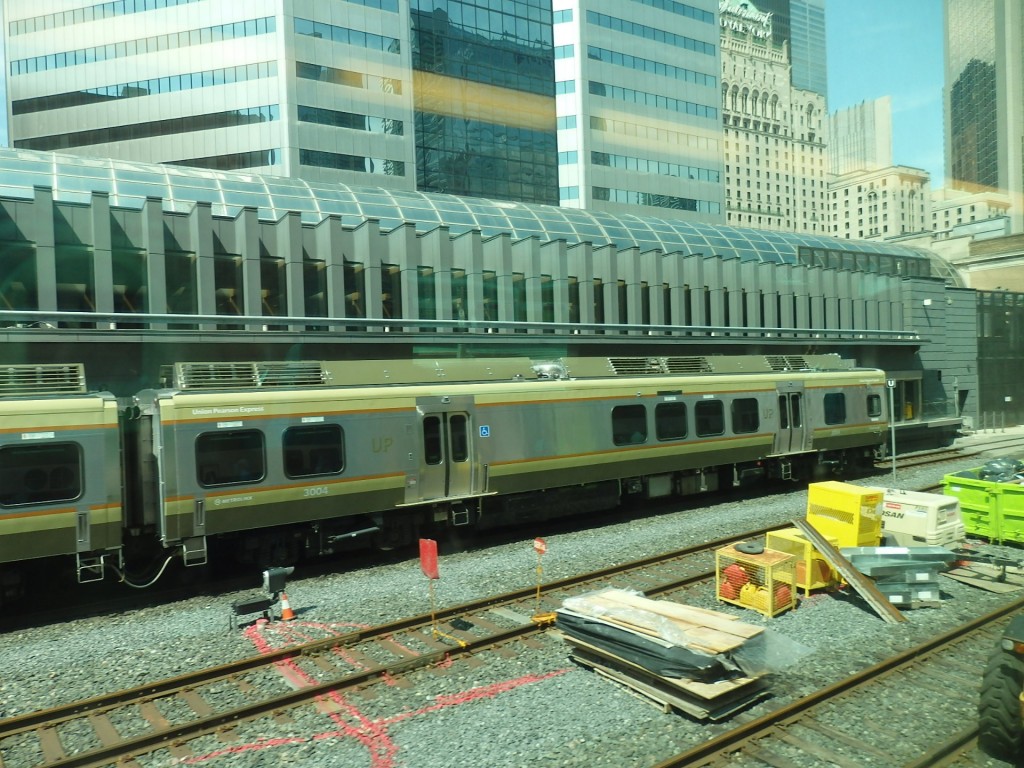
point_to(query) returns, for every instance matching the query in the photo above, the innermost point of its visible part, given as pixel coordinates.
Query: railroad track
(121, 727)
(39, 606)
(915, 709)
(1010, 444)
(164, 717)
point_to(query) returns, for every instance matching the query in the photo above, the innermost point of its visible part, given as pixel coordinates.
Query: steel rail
(33, 321)
(948, 752)
(169, 686)
(149, 742)
(48, 719)
(719, 748)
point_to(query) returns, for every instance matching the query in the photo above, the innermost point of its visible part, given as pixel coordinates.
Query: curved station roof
(128, 184)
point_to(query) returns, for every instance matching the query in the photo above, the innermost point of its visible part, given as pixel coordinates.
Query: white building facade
(957, 212)
(637, 96)
(775, 135)
(211, 84)
(880, 205)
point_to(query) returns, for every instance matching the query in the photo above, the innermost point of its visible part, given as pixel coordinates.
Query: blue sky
(892, 47)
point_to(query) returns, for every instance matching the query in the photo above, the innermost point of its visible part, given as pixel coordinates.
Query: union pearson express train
(281, 460)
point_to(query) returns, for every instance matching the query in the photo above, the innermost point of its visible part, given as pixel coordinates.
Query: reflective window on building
(465, 56)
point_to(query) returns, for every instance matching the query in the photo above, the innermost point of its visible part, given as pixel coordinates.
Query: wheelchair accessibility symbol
(485, 430)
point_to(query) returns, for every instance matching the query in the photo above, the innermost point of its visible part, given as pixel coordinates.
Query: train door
(166, 462)
(792, 435)
(447, 457)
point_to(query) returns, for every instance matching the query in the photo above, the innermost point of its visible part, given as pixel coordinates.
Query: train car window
(313, 450)
(874, 406)
(459, 424)
(629, 424)
(40, 474)
(230, 458)
(745, 416)
(710, 417)
(432, 440)
(670, 421)
(835, 408)
(783, 412)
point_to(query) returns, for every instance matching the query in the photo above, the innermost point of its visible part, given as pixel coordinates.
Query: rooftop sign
(743, 17)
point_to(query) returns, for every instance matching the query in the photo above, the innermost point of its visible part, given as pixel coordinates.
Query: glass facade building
(807, 45)
(75, 180)
(971, 63)
(801, 24)
(985, 99)
(447, 96)
(485, 99)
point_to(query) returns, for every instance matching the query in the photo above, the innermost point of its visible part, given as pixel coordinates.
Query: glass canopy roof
(128, 184)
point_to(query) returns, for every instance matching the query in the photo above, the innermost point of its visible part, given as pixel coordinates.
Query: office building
(984, 95)
(860, 137)
(445, 96)
(484, 98)
(979, 215)
(880, 204)
(801, 24)
(639, 125)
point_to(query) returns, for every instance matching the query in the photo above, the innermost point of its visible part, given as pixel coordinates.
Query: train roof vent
(292, 374)
(248, 375)
(51, 379)
(653, 366)
(824, 362)
(637, 366)
(688, 365)
(787, 362)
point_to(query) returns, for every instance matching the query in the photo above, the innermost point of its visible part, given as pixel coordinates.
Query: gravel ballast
(535, 709)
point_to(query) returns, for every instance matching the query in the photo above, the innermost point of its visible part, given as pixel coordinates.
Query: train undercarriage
(139, 562)
(395, 529)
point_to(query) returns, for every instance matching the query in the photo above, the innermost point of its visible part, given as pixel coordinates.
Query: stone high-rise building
(775, 134)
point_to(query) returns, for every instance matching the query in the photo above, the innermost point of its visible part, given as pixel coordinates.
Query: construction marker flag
(428, 558)
(540, 546)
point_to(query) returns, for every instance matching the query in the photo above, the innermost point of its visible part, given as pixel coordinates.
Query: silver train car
(277, 461)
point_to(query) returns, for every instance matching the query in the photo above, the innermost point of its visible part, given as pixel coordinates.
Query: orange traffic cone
(287, 614)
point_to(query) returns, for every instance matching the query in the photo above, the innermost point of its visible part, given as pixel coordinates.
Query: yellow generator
(811, 570)
(849, 513)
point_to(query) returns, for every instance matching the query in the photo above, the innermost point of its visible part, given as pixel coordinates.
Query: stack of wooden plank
(994, 577)
(680, 657)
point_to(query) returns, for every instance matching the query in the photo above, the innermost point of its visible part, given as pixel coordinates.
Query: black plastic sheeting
(1004, 469)
(671, 661)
